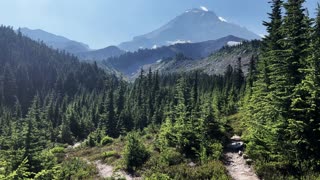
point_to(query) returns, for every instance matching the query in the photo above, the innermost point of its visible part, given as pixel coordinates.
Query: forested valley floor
(163, 126)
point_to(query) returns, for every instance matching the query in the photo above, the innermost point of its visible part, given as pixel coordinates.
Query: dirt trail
(236, 164)
(104, 170)
(108, 171)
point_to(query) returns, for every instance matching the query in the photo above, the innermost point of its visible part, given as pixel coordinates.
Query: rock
(192, 164)
(249, 161)
(240, 153)
(236, 138)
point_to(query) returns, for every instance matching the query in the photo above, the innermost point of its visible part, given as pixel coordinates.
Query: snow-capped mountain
(194, 25)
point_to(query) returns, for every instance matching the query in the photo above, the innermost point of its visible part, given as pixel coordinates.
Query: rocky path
(236, 164)
(103, 169)
(106, 171)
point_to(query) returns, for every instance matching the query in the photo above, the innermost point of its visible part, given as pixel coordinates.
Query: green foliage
(47, 174)
(210, 170)
(135, 153)
(282, 110)
(95, 138)
(49, 98)
(110, 154)
(158, 176)
(57, 149)
(171, 157)
(216, 150)
(75, 169)
(106, 140)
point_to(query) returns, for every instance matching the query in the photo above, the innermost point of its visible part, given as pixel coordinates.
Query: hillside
(131, 62)
(100, 54)
(50, 100)
(192, 26)
(55, 41)
(216, 63)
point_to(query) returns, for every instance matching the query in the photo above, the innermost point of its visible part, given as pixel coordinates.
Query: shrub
(94, 138)
(216, 150)
(110, 154)
(90, 141)
(56, 150)
(148, 136)
(135, 153)
(171, 156)
(214, 170)
(76, 169)
(158, 176)
(106, 140)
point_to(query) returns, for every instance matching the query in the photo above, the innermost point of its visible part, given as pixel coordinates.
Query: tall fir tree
(304, 123)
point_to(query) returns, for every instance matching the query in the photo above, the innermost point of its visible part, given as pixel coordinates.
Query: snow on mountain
(233, 43)
(178, 42)
(194, 25)
(222, 19)
(204, 8)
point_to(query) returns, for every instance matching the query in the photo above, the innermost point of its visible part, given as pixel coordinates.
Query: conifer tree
(111, 119)
(304, 124)
(263, 112)
(34, 138)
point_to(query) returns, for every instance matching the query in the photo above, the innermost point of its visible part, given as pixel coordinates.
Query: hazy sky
(100, 23)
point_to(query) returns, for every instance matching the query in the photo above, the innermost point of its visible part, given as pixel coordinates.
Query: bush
(76, 169)
(216, 150)
(148, 136)
(110, 154)
(106, 140)
(90, 141)
(158, 176)
(171, 156)
(214, 170)
(57, 150)
(135, 153)
(94, 138)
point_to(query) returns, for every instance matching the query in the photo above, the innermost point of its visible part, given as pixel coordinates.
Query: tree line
(49, 98)
(281, 112)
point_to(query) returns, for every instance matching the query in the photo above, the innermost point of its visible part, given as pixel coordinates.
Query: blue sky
(100, 23)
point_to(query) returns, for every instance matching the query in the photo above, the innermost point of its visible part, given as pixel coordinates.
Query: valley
(199, 97)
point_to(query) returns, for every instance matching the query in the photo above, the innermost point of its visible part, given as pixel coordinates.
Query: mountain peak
(199, 10)
(194, 25)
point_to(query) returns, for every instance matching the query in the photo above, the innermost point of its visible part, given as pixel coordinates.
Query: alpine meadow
(200, 97)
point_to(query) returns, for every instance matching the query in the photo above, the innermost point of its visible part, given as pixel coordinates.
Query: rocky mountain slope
(216, 63)
(131, 62)
(195, 25)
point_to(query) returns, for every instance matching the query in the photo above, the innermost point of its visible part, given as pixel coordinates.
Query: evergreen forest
(60, 117)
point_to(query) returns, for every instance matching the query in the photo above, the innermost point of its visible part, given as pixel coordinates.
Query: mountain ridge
(55, 41)
(131, 62)
(101, 54)
(194, 25)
